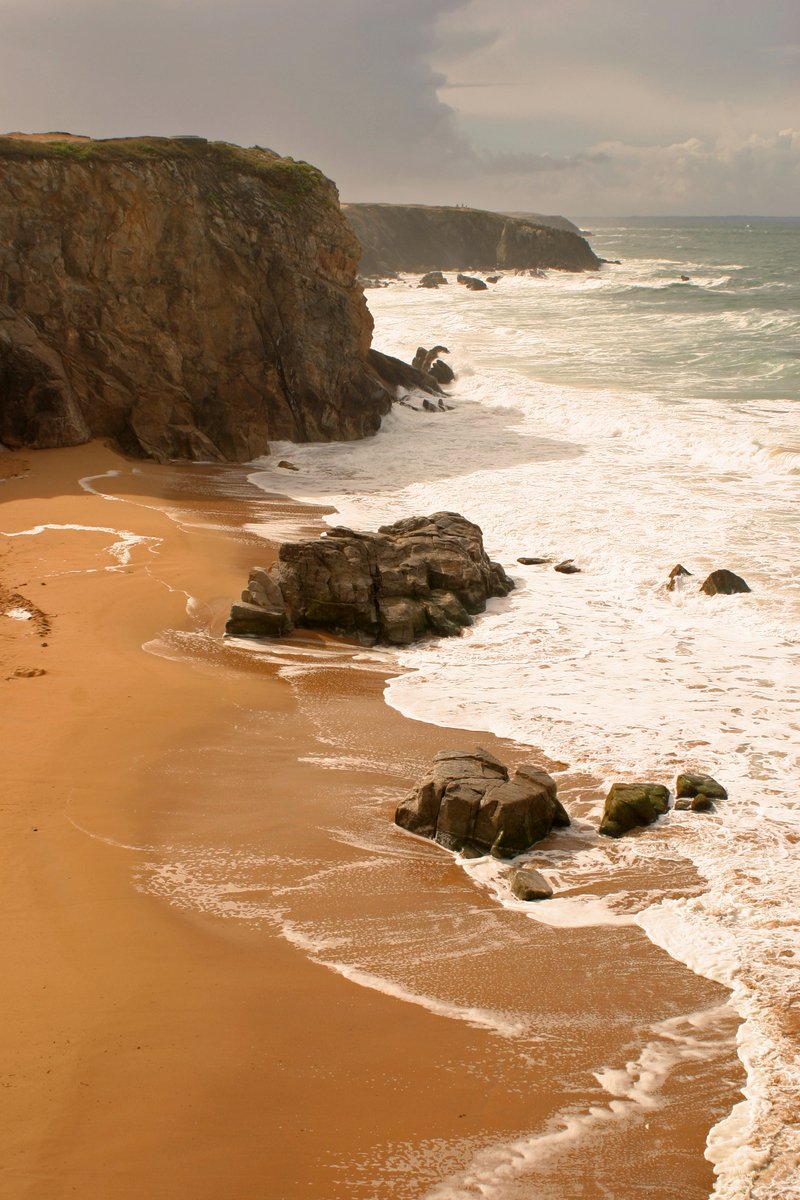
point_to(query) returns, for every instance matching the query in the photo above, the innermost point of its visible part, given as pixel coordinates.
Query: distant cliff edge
(418, 237)
(186, 299)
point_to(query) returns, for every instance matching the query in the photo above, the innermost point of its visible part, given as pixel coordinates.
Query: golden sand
(150, 1045)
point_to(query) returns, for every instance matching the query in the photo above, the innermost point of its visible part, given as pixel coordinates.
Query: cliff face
(416, 237)
(186, 299)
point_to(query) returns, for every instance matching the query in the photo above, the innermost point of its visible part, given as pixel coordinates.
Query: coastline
(171, 1030)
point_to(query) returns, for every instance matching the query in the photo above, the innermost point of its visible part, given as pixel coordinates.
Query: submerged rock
(418, 577)
(473, 283)
(532, 562)
(723, 583)
(432, 279)
(470, 802)
(676, 575)
(631, 804)
(567, 568)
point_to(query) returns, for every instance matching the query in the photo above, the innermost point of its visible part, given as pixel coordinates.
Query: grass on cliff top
(295, 177)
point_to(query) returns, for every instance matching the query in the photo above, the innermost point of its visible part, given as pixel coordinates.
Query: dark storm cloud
(342, 82)
(645, 104)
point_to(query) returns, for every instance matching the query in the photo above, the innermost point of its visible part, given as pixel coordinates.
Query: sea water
(631, 419)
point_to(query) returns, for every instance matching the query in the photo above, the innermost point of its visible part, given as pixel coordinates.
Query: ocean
(630, 420)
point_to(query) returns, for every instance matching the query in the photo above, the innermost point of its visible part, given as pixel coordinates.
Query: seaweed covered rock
(470, 801)
(696, 791)
(629, 805)
(420, 576)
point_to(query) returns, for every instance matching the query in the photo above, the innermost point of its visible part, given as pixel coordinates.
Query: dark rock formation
(418, 237)
(698, 792)
(527, 884)
(678, 572)
(186, 299)
(723, 583)
(493, 278)
(631, 804)
(533, 562)
(442, 372)
(469, 801)
(567, 567)
(397, 374)
(429, 363)
(433, 279)
(421, 576)
(472, 283)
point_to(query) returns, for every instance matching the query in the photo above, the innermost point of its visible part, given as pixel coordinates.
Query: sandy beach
(172, 826)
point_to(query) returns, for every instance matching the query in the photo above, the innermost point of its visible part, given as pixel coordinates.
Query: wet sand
(174, 823)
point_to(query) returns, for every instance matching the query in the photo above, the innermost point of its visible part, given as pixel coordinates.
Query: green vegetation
(293, 180)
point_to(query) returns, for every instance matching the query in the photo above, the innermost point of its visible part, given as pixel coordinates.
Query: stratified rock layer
(418, 237)
(421, 576)
(186, 299)
(469, 801)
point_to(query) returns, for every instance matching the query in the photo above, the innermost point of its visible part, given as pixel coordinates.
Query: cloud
(347, 84)
(628, 105)
(756, 174)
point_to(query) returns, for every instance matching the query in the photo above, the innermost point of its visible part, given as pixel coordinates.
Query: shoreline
(173, 1027)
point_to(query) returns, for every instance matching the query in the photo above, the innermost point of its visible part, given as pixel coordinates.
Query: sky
(581, 107)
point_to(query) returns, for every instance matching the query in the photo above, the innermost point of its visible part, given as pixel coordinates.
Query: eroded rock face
(421, 576)
(631, 804)
(424, 238)
(188, 300)
(470, 802)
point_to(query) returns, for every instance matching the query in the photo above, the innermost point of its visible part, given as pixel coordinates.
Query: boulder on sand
(420, 576)
(631, 804)
(528, 884)
(470, 802)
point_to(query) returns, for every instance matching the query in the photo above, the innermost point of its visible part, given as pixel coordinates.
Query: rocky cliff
(416, 237)
(186, 299)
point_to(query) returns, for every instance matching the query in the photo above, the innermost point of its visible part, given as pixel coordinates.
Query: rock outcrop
(469, 802)
(697, 792)
(631, 804)
(420, 576)
(723, 583)
(528, 884)
(186, 299)
(418, 237)
(677, 576)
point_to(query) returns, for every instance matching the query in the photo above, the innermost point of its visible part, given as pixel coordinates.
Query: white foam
(119, 550)
(479, 1018)
(606, 669)
(19, 614)
(635, 1091)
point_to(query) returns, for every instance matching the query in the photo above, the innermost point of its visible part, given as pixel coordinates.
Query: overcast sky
(585, 107)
